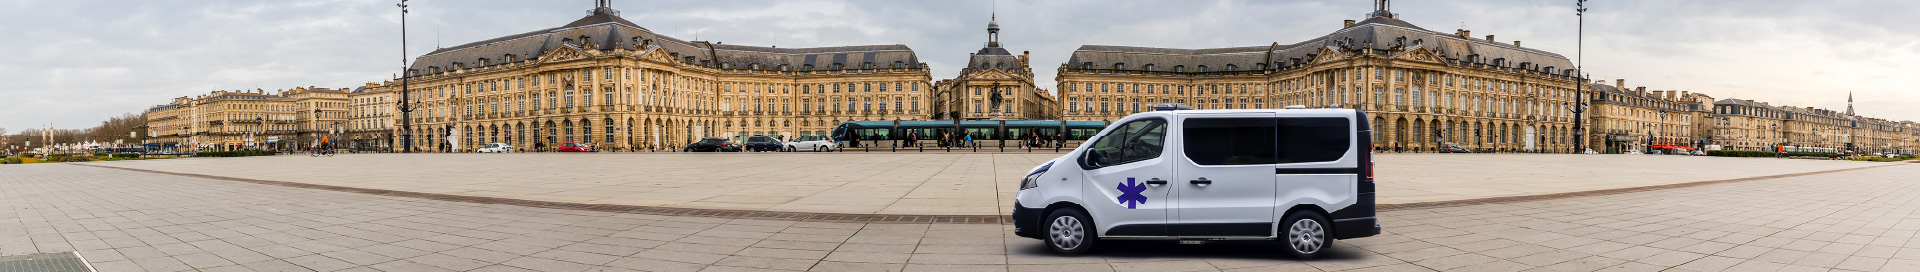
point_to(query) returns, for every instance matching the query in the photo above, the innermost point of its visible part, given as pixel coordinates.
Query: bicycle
(317, 152)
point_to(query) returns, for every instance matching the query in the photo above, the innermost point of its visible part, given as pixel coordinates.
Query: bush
(11, 160)
(124, 155)
(1739, 153)
(1765, 154)
(246, 153)
(70, 158)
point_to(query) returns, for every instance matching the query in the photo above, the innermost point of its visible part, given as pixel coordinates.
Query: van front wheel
(1307, 235)
(1069, 232)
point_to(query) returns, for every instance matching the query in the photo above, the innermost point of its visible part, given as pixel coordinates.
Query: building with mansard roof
(605, 81)
(995, 85)
(1422, 88)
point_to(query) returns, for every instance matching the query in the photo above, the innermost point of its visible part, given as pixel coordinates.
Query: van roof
(1280, 111)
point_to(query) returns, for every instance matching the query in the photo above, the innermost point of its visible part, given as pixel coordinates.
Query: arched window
(1203, 68)
(1119, 66)
(1086, 66)
(1179, 68)
(1231, 68)
(1148, 67)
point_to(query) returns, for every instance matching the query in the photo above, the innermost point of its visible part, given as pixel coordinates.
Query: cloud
(75, 63)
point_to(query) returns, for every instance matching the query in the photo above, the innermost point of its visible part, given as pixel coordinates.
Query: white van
(1300, 175)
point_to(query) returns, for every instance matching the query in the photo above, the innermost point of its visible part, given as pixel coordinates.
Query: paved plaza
(121, 220)
(914, 183)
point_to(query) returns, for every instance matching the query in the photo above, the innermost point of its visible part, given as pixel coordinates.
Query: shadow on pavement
(1246, 250)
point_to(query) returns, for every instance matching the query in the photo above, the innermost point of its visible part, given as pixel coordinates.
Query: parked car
(713, 144)
(495, 148)
(576, 147)
(816, 143)
(1206, 175)
(759, 143)
(1630, 151)
(1454, 148)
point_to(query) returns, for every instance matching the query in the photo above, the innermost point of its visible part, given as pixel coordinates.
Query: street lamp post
(406, 108)
(1579, 74)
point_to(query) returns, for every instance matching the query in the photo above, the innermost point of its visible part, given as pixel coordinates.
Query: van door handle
(1156, 182)
(1202, 181)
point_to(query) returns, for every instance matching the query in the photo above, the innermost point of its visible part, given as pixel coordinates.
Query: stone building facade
(372, 112)
(242, 120)
(1421, 88)
(319, 114)
(1639, 120)
(605, 81)
(995, 85)
(1749, 125)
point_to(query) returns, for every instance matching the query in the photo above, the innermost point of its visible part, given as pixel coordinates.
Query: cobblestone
(1860, 220)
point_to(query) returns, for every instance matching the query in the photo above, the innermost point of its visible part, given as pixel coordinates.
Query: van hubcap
(1066, 232)
(1306, 236)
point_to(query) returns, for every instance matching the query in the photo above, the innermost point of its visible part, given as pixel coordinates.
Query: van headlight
(1033, 179)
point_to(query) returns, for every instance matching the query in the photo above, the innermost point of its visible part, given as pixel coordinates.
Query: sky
(74, 63)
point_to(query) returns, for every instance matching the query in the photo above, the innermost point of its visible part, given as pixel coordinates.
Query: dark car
(764, 143)
(1454, 148)
(713, 144)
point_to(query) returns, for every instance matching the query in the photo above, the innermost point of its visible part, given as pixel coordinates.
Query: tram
(952, 134)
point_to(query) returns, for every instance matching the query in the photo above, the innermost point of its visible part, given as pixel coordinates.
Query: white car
(1303, 176)
(817, 143)
(495, 148)
(1630, 151)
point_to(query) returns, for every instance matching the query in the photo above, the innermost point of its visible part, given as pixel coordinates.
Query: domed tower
(993, 31)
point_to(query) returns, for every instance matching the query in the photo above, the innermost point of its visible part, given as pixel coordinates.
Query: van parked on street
(1302, 176)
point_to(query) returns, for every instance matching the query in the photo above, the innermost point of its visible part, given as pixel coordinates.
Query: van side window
(1318, 139)
(1131, 142)
(1231, 141)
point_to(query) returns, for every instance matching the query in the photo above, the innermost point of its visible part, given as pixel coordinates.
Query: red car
(575, 147)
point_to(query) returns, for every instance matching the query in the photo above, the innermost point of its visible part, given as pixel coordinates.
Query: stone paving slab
(914, 183)
(1862, 220)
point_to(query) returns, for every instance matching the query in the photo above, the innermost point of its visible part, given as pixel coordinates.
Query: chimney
(1490, 38)
(1464, 33)
(1516, 43)
(1622, 83)
(1347, 25)
(1642, 89)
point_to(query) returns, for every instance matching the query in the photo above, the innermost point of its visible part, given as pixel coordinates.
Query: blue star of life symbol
(1130, 193)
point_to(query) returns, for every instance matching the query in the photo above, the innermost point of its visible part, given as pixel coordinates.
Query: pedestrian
(969, 142)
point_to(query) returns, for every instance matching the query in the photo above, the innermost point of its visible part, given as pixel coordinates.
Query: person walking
(969, 139)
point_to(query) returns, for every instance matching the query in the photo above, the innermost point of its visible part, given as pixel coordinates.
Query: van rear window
(1315, 139)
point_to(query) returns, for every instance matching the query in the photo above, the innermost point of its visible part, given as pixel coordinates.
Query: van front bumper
(1025, 220)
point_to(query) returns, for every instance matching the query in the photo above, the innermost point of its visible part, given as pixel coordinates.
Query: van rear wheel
(1307, 235)
(1070, 232)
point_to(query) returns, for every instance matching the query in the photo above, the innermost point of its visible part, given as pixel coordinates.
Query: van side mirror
(1094, 158)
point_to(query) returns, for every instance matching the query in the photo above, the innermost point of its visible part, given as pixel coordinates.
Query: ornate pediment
(564, 53)
(1326, 54)
(993, 74)
(656, 54)
(1421, 54)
